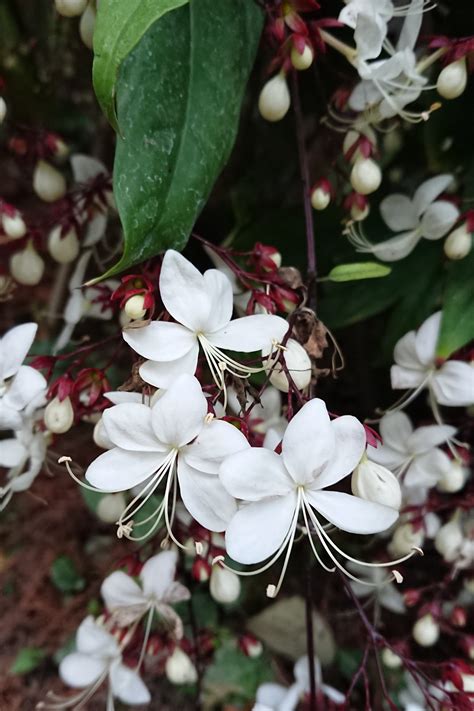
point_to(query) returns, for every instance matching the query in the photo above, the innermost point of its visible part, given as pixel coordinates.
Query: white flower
(20, 385)
(23, 455)
(368, 19)
(201, 305)
(154, 444)
(99, 656)
(275, 697)
(374, 582)
(274, 489)
(414, 453)
(451, 383)
(128, 601)
(423, 217)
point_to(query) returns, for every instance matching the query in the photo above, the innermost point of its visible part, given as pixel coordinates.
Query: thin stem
(310, 641)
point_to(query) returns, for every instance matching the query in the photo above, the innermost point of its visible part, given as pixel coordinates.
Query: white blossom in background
(173, 439)
(265, 417)
(368, 19)
(449, 383)
(21, 386)
(423, 217)
(201, 305)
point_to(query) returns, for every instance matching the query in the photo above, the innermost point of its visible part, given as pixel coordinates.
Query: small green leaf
(27, 659)
(119, 27)
(358, 270)
(65, 576)
(457, 324)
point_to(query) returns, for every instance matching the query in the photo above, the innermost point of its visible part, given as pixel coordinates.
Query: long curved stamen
(146, 637)
(451, 441)
(169, 519)
(60, 702)
(311, 542)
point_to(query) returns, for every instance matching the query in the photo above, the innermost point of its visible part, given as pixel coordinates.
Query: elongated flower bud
(453, 479)
(426, 631)
(390, 659)
(14, 225)
(48, 183)
(110, 507)
(134, 307)
(100, 436)
(3, 109)
(59, 415)
(297, 362)
(63, 248)
(449, 539)
(373, 482)
(274, 100)
(302, 60)
(224, 585)
(87, 25)
(366, 176)
(321, 194)
(458, 243)
(70, 8)
(179, 668)
(405, 538)
(27, 267)
(452, 80)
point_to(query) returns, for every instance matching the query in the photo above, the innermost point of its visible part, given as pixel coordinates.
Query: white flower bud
(373, 482)
(358, 214)
(224, 585)
(303, 60)
(426, 631)
(453, 479)
(134, 307)
(3, 109)
(452, 80)
(110, 507)
(366, 176)
(179, 668)
(100, 436)
(14, 225)
(59, 415)
(405, 538)
(27, 267)
(320, 199)
(297, 362)
(274, 100)
(458, 243)
(70, 8)
(449, 539)
(390, 659)
(48, 183)
(63, 248)
(87, 25)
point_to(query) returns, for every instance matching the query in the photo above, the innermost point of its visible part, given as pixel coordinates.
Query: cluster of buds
(136, 295)
(73, 397)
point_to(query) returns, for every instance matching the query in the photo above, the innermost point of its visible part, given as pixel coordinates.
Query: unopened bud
(373, 482)
(458, 243)
(59, 415)
(274, 100)
(302, 60)
(452, 80)
(366, 176)
(3, 109)
(297, 363)
(134, 307)
(87, 25)
(13, 225)
(321, 195)
(48, 183)
(426, 631)
(458, 616)
(26, 266)
(224, 585)
(449, 539)
(390, 659)
(63, 248)
(405, 538)
(179, 668)
(251, 646)
(110, 507)
(70, 8)
(100, 436)
(359, 213)
(201, 570)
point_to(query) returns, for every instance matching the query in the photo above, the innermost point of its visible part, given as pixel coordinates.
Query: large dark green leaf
(457, 325)
(179, 96)
(119, 27)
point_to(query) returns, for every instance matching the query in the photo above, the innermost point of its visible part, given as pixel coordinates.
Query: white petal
(117, 397)
(397, 247)
(255, 474)
(184, 291)
(95, 228)
(270, 695)
(405, 379)
(250, 333)
(390, 598)
(428, 468)
(395, 429)
(163, 374)
(85, 168)
(15, 345)
(158, 573)
(308, 442)
(257, 530)
(398, 213)
(438, 219)
(333, 694)
(386, 456)
(219, 291)
(364, 94)
(350, 444)
(427, 338)
(120, 590)
(80, 670)
(160, 340)
(429, 191)
(352, 514)
(119, 470)
(425, 438)
(216, 441)
(128, 426)
(369, 35)
(10, 419)
(205, 497)
(405, 353)
(91, 638)
(411, 26)
(25, 386)
(178, 416)
(453, 384)
(12, 452)
(127, 686)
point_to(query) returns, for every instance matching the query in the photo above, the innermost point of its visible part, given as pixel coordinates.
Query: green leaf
(65, 576)
(119, 27)
(179, 95)
(457, 324)
(358, 270)
(27, 659)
